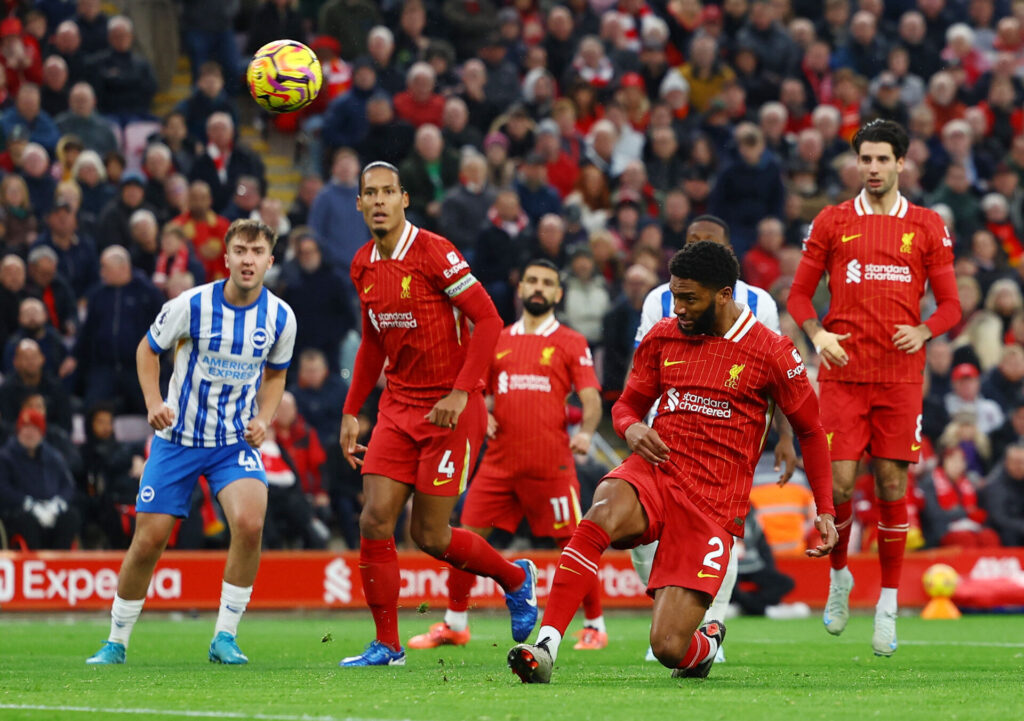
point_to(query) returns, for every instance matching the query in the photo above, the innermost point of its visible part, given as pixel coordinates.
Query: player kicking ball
(232, 343)
(687, 483)
(878, 250)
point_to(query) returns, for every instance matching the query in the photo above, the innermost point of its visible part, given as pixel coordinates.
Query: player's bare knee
(375, 525)
(669, 648)
(248, 529)
(432, 541)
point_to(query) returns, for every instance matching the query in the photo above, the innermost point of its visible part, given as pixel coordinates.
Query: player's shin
(233, 601)
(378, 568)
(470, 552)
(844, 519)
(123, 615)
(892, 541)
(460, 583)
(701, 649)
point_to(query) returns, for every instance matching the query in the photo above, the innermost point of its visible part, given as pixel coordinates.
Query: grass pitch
(967, 669)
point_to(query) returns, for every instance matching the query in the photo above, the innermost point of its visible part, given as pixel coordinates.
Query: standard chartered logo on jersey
(523, 382)
(855, 272)
(676, 401)
(337, 582)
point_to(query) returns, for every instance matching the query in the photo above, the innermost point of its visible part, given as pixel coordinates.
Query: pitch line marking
(185, 713)
(979, 644)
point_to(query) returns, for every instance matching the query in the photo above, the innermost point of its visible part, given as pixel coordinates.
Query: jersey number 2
(718, 548)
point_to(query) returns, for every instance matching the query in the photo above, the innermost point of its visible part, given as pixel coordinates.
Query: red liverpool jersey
(715, 406)
(530, 379)
(877, 267)
(411, 302)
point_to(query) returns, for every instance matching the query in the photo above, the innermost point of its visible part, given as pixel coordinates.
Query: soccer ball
(940, 580)
(284, 76)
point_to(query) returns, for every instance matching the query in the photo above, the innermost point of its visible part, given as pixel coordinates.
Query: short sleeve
(581, 364)
(940, 243)
(654, 310)
(644, 375)
(818, 241)
(788, 384)
(171, 325)
(448, 270)
(284, 342)
(768, 313)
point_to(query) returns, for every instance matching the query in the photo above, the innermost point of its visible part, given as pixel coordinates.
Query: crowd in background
(588, 132)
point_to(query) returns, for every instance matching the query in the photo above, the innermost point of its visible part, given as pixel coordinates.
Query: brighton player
(528, 469)
(232, 343)
(658, 305)
(878, 250)
(418, 296)
(716, 371)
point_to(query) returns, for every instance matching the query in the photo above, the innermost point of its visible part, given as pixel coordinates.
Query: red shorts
(883, 419)
(694, 550)
(550, 505)
(407, 448)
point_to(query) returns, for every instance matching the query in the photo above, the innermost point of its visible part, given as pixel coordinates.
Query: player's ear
(405, 199)
(558, 295)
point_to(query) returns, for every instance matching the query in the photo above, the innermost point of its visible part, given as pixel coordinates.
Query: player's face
(706, 230)
(382, 201)
(879, 168)
(539, 290)
(248, 260)
(696, 307)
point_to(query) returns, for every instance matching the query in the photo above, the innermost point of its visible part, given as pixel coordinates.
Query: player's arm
(627, 418)
(471, 299)
(911, 338)
(591, 400)
(147, 364)
(268, 399)
(785, 450)
(365, 371)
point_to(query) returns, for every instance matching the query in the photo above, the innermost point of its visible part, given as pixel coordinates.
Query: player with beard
(718, 374)
(528, 469)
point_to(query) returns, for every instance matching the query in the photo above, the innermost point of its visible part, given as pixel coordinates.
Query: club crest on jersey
(406, 282)
(734, 376)
(546, 354)
(905, 243)
(259, 338)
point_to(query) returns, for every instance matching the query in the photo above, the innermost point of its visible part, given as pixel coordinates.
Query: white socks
(233, 600)
(123, 615)
(887, 600)
(456, 620)
(552, 637)
(595, 623)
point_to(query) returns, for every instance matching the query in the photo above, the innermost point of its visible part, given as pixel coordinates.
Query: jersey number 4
(250, 461)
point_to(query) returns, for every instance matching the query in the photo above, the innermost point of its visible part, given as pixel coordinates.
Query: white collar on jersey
(899, 208)
(545, 329)
(742, 325)
(409, 233)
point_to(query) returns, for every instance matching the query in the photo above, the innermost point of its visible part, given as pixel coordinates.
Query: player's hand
(827, 346)
(446, 411)
(160, 416)
(785, 459)
(645, 442)
(256, 432)
(347, 440)
(580, 443)
(911, 338)
(492, 426)
(826, 526)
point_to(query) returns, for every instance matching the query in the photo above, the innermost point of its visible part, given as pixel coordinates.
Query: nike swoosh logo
(848, 238)
(566, 568)
(441, 483)
(887, 540)
(502, 354)
(559, 526)
(369, 287)
(915, 446)
(701, 574)
(673, 363)
(233, 610)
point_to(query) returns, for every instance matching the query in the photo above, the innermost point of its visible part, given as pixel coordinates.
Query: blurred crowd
(588, 132)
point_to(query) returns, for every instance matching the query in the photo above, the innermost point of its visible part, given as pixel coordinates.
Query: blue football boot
(376, 654)
(522, 604)
(223, 649)
(108, 654)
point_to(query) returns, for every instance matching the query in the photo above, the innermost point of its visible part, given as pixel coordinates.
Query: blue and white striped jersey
(658, 305)
(219, 354)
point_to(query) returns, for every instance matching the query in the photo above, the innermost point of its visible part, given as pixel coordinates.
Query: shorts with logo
(694, 550)
(883, 419)
(408, 448)
(172, 471)
(551, 505)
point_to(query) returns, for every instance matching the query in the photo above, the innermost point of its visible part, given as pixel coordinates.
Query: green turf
(968, 669)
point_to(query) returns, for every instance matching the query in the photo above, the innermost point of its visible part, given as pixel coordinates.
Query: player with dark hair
(718, 373)
(418, 297)
(878, 250)
(528, 470)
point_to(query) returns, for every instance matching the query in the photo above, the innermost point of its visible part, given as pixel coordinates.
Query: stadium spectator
(92, 23)
(34, 324)
(500, 168)
(224, 161)
(387, 137)
(619, 325)
(1003, 497)
(55, 86)
(419, 104)
(473, 92)
(966, 397)
(429, 171)
(174, 134)
(457, 131)
(209, 35)
(290, 517)
(90, 174)
(464, 207)
(761, 265)
(36, 172)
(319, 393)
(123, 80)
(207, 98)
(19, 217)
(951, 514)
(500, 248)
(345, 123)
(273, 20)
(206, 230)
(157, 166)
(19, 56)
(586, 296)
(66, 43)
(36, 487)
(536, 196)
(339, 227)
(349, 21)
(302, 445)
(145, 245)
(380, 48)
(246, 199)
(77, 257)
(309, 187)
(112, 228)
(118, 313)
(56, 294)
(176, 257)
(30, 377)
(111, 484)
(593, 197)
(28, 112)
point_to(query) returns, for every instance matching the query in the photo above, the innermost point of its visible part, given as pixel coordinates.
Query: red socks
(700, 648)
(844, 519)
(460, 583)
(469, 552)
(576, 575)
(378, 568)
(892, 540)
(592, 601)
